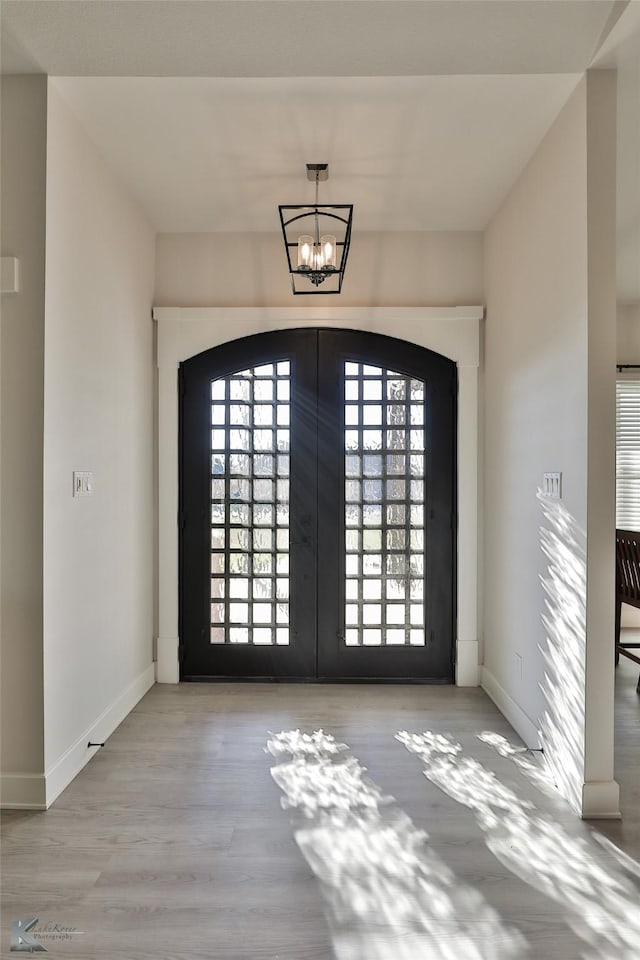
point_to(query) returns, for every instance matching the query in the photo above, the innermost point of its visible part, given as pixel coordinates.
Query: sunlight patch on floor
(388, 895)
(601, 903)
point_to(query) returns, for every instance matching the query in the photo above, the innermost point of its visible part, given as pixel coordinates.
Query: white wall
(249, 270)
(548, 386)
(98, 551)
(535, 390)
(628, 351)
(24, 131)
(628, 333)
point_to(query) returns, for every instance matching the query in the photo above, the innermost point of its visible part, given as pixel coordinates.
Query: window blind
(628, 454)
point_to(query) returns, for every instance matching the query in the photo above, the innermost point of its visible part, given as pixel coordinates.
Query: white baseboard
(60, 774)
(23, 791)
(521, 723)
(467, 663)
(601, 800)
(167, 667)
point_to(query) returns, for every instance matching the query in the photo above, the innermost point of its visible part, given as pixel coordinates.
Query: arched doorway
(317, 509)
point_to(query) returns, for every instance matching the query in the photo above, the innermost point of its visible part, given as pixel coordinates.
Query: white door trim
(453, 332)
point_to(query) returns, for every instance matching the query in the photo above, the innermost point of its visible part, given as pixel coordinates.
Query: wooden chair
(627, 586)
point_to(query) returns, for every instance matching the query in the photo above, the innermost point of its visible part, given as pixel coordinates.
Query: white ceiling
(275, 38)
(426, 110)
(411, 153)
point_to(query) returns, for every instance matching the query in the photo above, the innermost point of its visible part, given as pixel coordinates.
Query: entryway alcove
(326, 514)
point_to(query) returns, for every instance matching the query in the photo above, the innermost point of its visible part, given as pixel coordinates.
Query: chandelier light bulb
(328, 246)
(305, 252)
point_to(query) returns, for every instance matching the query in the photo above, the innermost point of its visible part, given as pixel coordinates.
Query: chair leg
(617, 630)
(638, 687)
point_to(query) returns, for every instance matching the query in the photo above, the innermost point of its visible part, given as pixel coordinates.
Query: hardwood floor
(173, 843)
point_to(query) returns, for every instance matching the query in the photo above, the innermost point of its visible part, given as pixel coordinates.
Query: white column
(600, 794)
(167, 668)
(467, 630)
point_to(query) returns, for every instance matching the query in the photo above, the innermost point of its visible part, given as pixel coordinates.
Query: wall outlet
(82, 483)
(518, 667)
(552, 486)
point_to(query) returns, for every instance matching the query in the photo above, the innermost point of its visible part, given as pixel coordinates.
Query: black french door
(317, 508)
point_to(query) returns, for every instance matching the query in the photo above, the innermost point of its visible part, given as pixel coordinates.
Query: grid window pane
(351, 390)
(238, 538)
(262, 414)
(385, 477)
(352, 466)
(371, 465)
(352, 540)
(239, 463)
(263, 390)
(371, 613)
(263, 515)
(238, 587)
(372, 540)
(217, 588)
(240, 390)
(262, 587)
(239, 439)
(283, 465)
(371, 515)
(250, 440)
(239, 514)
(218, 538)
(351, 414)
(372, 390)
(263, 464)
(239, 414)
(283, 389)
(372, 490)
(372, 415)
(371, 589)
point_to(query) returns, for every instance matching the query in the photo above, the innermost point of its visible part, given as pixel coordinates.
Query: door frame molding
(454, 332)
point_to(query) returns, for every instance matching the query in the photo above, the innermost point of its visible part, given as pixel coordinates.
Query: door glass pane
(250, 506)
(384, 444)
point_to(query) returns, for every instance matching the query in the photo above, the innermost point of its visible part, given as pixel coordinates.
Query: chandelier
(316, 239)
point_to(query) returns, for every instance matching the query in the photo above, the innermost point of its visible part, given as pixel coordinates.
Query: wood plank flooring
(172, 843)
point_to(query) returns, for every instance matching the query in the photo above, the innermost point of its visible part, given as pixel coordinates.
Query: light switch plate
(552, 486)
(10, 275)
(82, 483)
